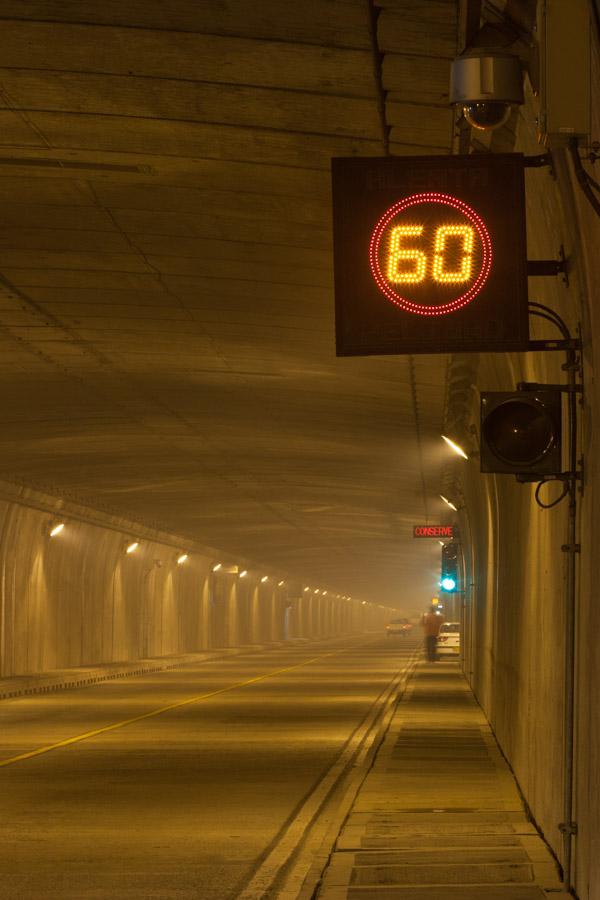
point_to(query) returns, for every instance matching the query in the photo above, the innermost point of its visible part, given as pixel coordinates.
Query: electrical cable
(544, 316)
(543, 505)
(552, 315)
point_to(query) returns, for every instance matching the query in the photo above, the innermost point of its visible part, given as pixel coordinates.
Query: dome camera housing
(486, 85)
(486, 115)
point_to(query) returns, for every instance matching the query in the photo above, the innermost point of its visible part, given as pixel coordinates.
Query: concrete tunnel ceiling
(167, 302)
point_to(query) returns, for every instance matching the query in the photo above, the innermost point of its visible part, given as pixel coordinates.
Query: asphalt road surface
(174, 786)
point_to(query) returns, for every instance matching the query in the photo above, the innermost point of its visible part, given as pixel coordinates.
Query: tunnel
(293, 604)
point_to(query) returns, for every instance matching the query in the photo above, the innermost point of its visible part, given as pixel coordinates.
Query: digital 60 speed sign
(430, 254)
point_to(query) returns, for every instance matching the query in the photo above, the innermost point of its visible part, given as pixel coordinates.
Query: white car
(398, 626)
(448, 642)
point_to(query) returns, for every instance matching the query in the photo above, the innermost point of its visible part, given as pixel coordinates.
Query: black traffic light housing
(449, 579)
(521, 433)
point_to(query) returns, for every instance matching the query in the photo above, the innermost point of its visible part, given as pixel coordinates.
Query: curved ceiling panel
(165, 250)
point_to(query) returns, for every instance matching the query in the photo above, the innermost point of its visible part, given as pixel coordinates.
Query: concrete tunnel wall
(79, 599)
(515, 600)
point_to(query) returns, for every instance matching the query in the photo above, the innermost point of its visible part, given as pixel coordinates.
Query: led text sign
(433, 531)
(430, 254)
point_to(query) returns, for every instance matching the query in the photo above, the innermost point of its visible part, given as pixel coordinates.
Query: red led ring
(404, 302)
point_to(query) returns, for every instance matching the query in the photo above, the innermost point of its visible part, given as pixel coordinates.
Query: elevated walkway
(439, 816)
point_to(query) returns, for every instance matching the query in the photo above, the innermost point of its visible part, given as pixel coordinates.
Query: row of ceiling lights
(324, 593)
(219, 567)
(56, 529)
(233, 570)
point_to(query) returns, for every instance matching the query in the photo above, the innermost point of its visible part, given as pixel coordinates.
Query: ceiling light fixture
(264, 578)
(56, 529)
(448, 503)
(181, 559)
(131, 548)
(455, 447)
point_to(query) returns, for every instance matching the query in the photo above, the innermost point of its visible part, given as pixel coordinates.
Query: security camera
(485, 85)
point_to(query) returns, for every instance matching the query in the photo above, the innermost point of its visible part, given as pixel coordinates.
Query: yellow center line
(163, 709)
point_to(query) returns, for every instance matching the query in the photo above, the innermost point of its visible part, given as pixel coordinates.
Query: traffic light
(449, 579)
(521, 433)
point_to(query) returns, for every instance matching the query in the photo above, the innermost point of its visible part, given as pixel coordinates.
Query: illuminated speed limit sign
(430, 254)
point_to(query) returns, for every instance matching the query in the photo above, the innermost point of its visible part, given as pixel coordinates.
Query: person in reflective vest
(431, 622)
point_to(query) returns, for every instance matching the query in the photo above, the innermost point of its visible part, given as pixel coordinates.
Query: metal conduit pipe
(571, 548)
(568, 827)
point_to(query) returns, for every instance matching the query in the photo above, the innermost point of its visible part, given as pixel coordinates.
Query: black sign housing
(367, 321)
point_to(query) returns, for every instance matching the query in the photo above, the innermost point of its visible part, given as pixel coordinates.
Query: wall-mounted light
(280, 583)
(56, 529)
(455, 447)
(264, 578)
(448, 503)
(131, 548)
(243, 573)
(181, 559)
(306, 589)
(316, 591)
(217, 567)
(364, 602)
(324, 593)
